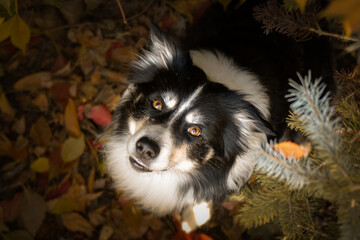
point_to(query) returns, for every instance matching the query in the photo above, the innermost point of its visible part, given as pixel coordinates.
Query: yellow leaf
(20, 35)
(72, 148)
(6, 28)
(41, 165)
(1, 20)
(65, 206)
(5, 106)
(71, 120)
(301, 4)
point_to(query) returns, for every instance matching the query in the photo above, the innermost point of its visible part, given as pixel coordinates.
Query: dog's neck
(221, 69)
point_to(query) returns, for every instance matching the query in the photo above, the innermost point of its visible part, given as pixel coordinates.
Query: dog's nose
(147, 149)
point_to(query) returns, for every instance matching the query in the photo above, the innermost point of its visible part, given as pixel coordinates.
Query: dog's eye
(157, 104)
(194, 130)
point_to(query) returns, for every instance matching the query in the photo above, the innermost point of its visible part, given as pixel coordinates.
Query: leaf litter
(57, 96)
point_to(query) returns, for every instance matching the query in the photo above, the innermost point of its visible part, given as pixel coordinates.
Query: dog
(186, 128)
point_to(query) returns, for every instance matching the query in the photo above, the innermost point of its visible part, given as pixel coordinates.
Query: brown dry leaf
(106, 232)
(5, 146)
(76, 194)
(41, 101)
(96, 218)
(5, 106)
(40, 132)
(32, 211)
(71, 120)
(19, 125)
(113, 76)
(91, 180)
(33, 81)
(95, 77)
(348, 10)
(75, 222)
(133, 216)
(124, 54)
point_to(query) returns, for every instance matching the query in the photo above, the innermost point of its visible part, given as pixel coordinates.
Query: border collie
(194, 112)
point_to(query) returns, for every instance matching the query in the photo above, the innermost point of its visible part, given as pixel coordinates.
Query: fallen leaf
(75, 222)
(11, 208)
(113, 76)
(40, 132)
(40, 165)
(20, 35)
(6, 4)
(5, 106)
(59, 191)
(91, 180)
(124, 54)
(71, 119)
(32, 211)
(290, 149)
(106, 232)
(133, 216)
(19, 125)
(101, 115)
(41, 101)
(72, 148)
(60, 92)
(33, 82)
(96, 218)
(18, 234)
(62, 206)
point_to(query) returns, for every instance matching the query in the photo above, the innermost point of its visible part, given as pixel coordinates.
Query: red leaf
(61, 93)
(80, 112)
(101, 115)
(58, 191)
(11, 207)
(59, 63)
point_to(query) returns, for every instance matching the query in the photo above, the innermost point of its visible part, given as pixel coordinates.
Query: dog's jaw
(156, 191)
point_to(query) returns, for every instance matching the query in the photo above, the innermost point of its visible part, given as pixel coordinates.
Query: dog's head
(177, 138)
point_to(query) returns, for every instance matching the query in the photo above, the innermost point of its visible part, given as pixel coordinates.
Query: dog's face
(177, 138)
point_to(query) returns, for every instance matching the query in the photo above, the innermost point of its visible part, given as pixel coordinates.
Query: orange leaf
(71, 119)
(290, 149)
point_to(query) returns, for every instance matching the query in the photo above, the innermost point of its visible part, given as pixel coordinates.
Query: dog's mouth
(138, 165)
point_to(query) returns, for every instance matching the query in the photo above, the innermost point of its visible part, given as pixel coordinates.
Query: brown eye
(157, 104)
(194, 130)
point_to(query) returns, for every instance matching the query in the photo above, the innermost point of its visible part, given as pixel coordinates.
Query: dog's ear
(163, 53)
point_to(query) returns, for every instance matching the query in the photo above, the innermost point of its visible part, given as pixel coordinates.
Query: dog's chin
(138, 165)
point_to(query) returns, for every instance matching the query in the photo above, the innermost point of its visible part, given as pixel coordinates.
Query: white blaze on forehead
(194, 117)
(170, 99)
(186, 104)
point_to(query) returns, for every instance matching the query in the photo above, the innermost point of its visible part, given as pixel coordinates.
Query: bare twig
(122, 11)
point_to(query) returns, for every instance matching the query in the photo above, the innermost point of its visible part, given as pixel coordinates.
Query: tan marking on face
(180, 161)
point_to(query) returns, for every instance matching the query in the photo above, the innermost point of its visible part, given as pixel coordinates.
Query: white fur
(186, 104)
(221, 69)
(156, 191)
(170, 99)
(161, 54)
